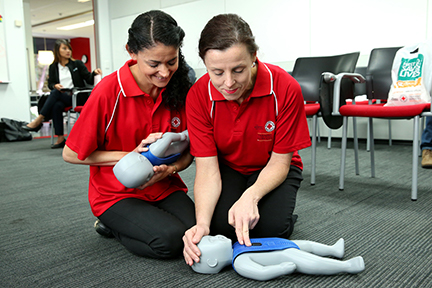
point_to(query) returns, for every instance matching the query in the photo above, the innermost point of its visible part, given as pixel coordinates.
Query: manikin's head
(216, 253)
(133, 170)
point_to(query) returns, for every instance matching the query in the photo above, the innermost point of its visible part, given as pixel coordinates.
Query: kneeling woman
(128, 110)
(246, 122)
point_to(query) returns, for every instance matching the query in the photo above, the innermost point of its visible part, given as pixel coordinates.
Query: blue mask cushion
(156, 161)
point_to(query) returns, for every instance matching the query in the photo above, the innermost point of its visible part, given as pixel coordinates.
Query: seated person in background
(128, 110)
(426, 145)
(269, 258)
(246, 122)
(64, 73)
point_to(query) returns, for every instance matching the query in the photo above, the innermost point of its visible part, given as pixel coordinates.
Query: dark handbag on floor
(13, 130)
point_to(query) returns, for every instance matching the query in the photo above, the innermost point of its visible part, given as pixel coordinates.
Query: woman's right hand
(150, 139)
(192, 237)
(58, 86)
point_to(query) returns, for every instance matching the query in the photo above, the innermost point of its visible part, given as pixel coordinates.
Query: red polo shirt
(116, 117)
(243, 136)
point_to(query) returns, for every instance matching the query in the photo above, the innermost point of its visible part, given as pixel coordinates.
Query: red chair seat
(312, 109)
(381, 111)
(78, 109)
(362, 102)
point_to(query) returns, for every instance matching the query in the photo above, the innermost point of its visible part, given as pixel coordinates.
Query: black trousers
(151, 229)
(275, 209)
(53, 109)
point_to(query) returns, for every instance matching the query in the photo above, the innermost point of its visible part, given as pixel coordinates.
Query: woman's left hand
(160, 172)
(98, 71)
(153, 137)
(244, 216)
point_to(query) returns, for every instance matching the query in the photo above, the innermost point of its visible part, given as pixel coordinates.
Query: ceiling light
(82, 1)
(76, 26)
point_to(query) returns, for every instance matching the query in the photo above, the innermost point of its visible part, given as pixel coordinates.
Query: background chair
(359, 90)
(79, 97)
(307, 71)
(378, 81)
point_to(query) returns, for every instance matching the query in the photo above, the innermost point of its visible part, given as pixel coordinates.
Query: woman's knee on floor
(166, 244)
(275, 228)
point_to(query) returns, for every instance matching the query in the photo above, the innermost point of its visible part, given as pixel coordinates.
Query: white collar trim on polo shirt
(271, 88)
(211, 99)
(118, 97)
(120, 84)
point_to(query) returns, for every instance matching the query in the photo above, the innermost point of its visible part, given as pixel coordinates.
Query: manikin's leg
(247, 266)
(337, 250)
(305, 262)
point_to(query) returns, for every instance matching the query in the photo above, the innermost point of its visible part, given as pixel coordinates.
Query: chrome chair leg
(357, 170)
(415, 159)
(314, 144)
(343, 148)
(372, 147)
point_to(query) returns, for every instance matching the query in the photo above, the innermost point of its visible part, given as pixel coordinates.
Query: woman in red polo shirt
(246, 122)
(126, 111)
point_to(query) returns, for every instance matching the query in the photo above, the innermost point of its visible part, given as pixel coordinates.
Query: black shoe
(102, 229)
(36, 129)
(59, 145)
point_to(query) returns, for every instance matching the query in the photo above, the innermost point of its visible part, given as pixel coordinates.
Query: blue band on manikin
(263, 245)
(156, 161)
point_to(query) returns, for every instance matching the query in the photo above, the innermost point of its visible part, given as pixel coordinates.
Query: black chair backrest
(360, 88)
(307, 71)
(378, 73)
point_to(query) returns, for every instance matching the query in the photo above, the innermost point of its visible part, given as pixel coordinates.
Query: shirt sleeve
(200, 124)
(84, 73)
(292, 132)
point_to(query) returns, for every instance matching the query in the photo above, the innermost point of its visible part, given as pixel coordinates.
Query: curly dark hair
(154, 27)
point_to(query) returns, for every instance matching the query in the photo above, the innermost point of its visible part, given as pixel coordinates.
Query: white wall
(29, 46)
(103, 36)
(284, 30)
(288, 29)
(14, 96)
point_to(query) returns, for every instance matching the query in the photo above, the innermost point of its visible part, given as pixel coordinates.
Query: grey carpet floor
(47, 238)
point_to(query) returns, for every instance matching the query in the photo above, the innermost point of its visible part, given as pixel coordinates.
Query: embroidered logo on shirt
(264, 137)
(175, 122)
(269, 126)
